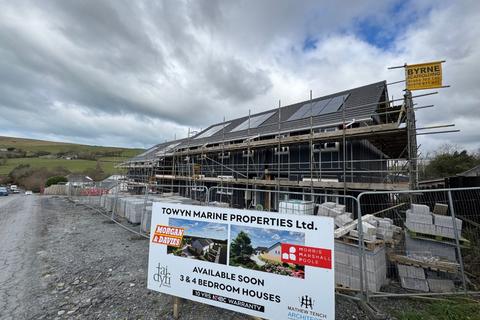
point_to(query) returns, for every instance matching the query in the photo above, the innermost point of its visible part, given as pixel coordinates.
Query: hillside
(45, 158)
(32, 146)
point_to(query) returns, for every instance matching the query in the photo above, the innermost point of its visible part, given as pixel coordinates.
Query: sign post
(264, 264)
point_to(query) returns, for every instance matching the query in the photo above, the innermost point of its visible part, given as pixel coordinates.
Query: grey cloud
(233, 81)
(134, 73)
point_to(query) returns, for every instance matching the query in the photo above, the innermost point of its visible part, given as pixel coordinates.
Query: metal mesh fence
(435, 240)
(406, 243)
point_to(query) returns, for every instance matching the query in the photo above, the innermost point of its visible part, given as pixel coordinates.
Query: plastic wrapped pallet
(296, 207)
(146, 219)
(134, 210)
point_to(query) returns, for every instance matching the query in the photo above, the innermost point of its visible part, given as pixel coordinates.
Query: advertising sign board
(265, 264)
(424, 75)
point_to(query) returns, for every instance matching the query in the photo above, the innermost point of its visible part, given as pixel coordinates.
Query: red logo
(307, 256)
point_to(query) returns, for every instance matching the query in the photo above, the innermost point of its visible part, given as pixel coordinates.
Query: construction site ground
(61, 260)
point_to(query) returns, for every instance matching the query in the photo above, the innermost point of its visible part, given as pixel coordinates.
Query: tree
(241, 245)
(449, 162)
(55, 180)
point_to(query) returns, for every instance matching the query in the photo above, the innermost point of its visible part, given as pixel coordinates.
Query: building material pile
(430, 249)
(421, 220)
(296, 207)
(412, 278)
(347, 266)
(376, 232)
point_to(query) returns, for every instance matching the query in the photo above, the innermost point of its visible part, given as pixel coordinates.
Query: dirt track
(61, 260)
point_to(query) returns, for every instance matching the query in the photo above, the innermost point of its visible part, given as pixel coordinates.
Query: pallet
(464, 243)
(369, 245)
(443, 266)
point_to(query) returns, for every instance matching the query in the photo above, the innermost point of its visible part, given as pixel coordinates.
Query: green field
(75, 165)
(71, 165)
(30, 145)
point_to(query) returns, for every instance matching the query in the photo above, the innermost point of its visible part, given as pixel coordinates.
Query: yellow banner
(424, 75)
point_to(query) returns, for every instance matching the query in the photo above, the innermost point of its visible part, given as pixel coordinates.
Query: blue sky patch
(309, 44)
(201, 229)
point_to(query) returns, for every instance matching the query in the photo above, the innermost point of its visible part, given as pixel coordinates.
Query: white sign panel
(265, 264)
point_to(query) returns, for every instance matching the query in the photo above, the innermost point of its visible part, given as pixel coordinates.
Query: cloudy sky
(135, 73)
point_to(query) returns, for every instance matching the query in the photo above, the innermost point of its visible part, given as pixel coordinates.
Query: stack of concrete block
(134, 209)
(413, 278)
(347, 266)
(343, 219)
(419, 219)
(330, 209)
(121, 206)
(299, 207)
(444, 226)
(369, 231)
(385, 229)
(440, 285)
(426, 248)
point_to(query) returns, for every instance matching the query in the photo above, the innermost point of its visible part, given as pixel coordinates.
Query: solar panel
(334, 104)
(167, 148)
(308, 109)
(212, 131)
(317, 108)
(255, 121)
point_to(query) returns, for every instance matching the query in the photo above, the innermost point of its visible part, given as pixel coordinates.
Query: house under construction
(343, 143)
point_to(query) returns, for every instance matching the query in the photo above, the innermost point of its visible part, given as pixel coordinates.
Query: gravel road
(59, 260)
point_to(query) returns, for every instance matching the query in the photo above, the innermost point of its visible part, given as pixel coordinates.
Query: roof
(78, 178)
(157, 151)
(274, 245)
(204, 242)
(359, 103)
(473, 172)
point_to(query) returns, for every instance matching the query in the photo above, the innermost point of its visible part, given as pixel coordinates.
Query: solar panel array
(254, 122)
(212, 130)
(320, 107)
(167, 148)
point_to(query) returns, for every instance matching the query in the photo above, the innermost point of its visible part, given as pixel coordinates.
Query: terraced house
(342, 143)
